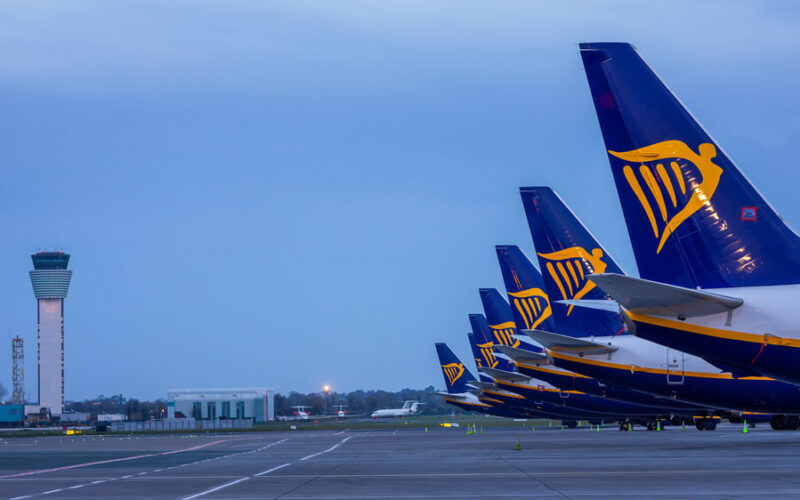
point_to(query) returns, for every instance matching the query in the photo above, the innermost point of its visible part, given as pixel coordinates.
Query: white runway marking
(217, 488)
(343, 441)
(273, 469)
(237, 481)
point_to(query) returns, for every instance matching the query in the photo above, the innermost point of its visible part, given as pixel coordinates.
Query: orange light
(326, 388)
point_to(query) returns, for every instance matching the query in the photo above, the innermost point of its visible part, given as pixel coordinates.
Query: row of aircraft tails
(707, 331)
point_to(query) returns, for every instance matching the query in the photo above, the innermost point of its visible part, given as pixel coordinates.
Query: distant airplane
(409, 408)
(341, 413)
(300, 413)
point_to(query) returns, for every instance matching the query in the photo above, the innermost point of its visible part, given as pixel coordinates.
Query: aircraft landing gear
(626, 426)
(705, 424)
(571, 424)
(652, 425)
(785, 422)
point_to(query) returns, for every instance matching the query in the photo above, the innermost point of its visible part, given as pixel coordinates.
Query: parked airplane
(341, 413)
(300, 413)
(460, 392)
(525, 289)
(409, 408)
(464, 391)
(569, 254)
(719, 268)
(553, 399)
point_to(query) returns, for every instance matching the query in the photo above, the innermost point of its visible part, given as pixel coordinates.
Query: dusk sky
(288, 194)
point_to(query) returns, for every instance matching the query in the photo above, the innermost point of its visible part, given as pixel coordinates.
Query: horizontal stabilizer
(600, 305)
(521, 354)
(480, 385)
(449, 395)
(659, 299)
(557, 342)
(502, 374)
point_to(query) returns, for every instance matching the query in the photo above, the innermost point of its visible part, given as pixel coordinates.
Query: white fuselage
(642, 353)
(766, 310)
(396, 412)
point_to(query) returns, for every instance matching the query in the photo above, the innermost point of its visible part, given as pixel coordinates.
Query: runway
(406, 463)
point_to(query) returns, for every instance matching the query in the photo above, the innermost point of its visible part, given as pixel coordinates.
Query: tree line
(354, 403)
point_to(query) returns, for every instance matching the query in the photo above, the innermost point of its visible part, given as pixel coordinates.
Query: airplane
(550, 398)
(569, 254)
(533, 311)
(463, 392)
(300, 413)
(341, 413)
(719, 268)
(409, 408)
(488, 390)
(460, 390)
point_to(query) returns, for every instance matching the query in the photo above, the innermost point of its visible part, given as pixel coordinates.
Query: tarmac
(407, 463)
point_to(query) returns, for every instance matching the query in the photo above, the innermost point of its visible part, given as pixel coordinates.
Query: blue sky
(297, 193)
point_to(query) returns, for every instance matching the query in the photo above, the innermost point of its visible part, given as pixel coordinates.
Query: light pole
(325, 390)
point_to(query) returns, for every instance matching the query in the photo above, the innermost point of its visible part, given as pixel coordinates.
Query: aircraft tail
(456, 375)
(482, 342)
(530, 304)
(693, 218)
(568, 254)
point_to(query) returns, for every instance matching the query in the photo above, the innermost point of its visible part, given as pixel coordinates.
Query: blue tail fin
(568, 253)
(693, 218)
(530, 304)
(482, 342)
(456, 375)
(501, 320)
(481, 358)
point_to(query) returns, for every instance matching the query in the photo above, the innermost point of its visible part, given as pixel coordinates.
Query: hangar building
(257, 403)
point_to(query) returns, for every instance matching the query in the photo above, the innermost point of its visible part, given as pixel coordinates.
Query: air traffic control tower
(50, 279)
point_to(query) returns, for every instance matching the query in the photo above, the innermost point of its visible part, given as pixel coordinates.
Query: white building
(257, 403)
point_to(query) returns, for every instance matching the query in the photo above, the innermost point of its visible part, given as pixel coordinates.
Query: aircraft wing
(502, 374)
(558, 342)
(520, 354)
(659, 299)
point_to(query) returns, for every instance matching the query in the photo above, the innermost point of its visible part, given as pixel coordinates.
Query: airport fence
(181, 424)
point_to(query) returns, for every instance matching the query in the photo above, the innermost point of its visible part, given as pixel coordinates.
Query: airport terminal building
(256, 403)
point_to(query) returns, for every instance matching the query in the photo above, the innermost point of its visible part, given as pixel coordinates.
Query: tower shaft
(50, 279)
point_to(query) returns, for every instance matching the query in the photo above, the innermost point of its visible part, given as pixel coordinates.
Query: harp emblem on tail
(677, 189)
(504, 333)
(568, 267)
(533, 305)
(453, 371)
(487, 355)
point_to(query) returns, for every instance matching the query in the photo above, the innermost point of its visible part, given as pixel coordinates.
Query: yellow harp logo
(654, 175)
(453, 371)
(504, 333)
(487, 352)
(566, 268)
(533, 305)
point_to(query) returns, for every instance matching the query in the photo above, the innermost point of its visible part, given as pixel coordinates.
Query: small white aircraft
(409, 408)
(300, 413)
